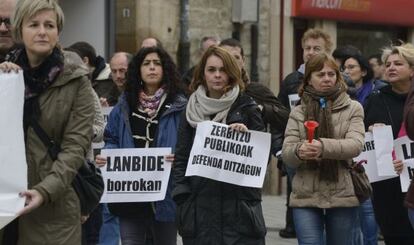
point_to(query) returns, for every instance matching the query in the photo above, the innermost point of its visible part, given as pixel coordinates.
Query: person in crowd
(109, 228)
(377, 66)
(357, 68)
(99, 72)
(314, 41)
(205, 43)
(147, 115)
(119, 67)
(274, 113)
(57, 97)
(6, 40)
(409, 126)
(209, 211)
(323, 198)
(91, 223)
(385, 106)
(151, 42)
(342, 53)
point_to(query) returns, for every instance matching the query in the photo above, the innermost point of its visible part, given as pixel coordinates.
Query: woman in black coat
(209, 211)
(386, 107)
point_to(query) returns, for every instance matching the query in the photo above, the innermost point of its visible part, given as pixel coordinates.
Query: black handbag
(362, 187)
(88, 182)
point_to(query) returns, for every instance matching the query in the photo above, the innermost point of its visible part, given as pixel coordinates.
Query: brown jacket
(307, 189)
(66, 115)
(409, 126)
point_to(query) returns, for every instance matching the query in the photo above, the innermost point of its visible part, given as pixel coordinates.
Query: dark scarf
(318, 107)
(36, 79)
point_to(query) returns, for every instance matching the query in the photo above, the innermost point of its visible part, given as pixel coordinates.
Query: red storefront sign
(399, 12)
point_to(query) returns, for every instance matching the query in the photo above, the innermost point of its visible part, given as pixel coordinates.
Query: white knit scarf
(200, 107)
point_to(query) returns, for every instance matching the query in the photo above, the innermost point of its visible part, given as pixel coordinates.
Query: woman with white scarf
(209, 211)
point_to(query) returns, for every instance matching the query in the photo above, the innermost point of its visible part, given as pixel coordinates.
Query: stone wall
(160, 18)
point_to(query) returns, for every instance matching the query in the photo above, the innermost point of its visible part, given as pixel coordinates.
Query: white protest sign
(13, 166)
(229, 156)
(368, 160)
(135, 175)
(384, 139)
(105, 111)
(293, 100)
(404, 150)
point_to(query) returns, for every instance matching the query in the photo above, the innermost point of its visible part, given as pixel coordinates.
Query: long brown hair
(230, 68)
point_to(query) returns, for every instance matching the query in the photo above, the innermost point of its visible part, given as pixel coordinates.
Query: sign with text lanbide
(13, 166)
(229, 156)
(404, 150)
(135, 175)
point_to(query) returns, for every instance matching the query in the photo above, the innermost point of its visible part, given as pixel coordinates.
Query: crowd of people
(66, 88)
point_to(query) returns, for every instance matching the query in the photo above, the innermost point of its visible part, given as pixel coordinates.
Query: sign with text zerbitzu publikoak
(226, 155)
(13, 166)
(135, 175)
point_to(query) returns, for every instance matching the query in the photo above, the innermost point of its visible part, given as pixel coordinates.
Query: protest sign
(105, 111)
(229, 156)
(404, 150)
(368, 160)
(13, 167)
(293, 100)
(384, 139)
(135, 175)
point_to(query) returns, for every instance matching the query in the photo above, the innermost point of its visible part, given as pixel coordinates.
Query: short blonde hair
(405, 51)
(28, 9)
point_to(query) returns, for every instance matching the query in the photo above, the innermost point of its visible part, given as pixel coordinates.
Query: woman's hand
(238, 127)
(100, 161)
(33, 200)
(370, 128)
(398, 166)
(84, 218)
(104, 102)
(9, 66)
(170, 158)
(310, 151)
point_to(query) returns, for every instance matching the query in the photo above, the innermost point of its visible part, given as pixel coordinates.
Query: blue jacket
(118, 135)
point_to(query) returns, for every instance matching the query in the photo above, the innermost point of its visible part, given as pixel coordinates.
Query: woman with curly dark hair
(147, 115)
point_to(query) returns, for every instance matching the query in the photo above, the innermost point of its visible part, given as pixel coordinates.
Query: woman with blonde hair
(323, 198)
(209, 211)
(58, 96)
(385, 107)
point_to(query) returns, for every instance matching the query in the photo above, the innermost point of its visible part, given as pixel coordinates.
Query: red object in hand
(311, 125)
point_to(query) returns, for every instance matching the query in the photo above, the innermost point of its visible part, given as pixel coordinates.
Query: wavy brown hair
(230, 68)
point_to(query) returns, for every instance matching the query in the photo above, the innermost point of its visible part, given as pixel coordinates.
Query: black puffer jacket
(213, 212)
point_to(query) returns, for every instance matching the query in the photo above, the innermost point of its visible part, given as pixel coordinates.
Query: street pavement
(274, 213)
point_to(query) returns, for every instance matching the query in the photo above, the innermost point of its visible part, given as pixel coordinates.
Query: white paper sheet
(403, 150)
(368, 160)
(384, 145)
(135, 175)
(239, 159)
(13, 167)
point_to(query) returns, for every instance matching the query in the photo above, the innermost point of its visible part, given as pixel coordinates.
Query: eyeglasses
(5, 21)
